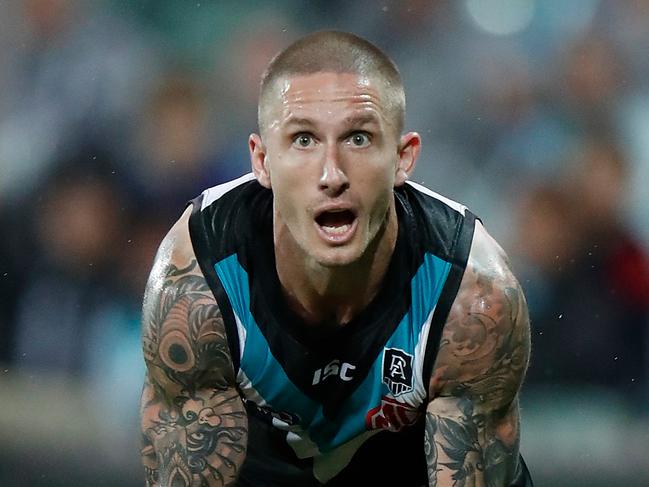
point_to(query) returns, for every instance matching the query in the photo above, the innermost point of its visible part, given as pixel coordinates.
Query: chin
(336, 257)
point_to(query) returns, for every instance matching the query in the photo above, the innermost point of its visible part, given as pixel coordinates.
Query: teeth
(337, 230)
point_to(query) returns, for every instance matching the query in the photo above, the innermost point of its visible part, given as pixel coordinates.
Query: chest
(327, 392)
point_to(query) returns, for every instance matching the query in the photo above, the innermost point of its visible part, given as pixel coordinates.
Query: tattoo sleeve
(194, 426)
(472, 422)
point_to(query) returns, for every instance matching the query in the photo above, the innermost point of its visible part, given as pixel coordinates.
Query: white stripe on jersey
(215, 192)
(460, 208)
(249, 392)
(241, 331)
(419, 392)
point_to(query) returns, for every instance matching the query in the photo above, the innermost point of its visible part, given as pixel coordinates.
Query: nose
(333, 180)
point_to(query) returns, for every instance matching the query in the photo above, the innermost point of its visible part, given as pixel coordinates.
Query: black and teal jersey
(327, 405)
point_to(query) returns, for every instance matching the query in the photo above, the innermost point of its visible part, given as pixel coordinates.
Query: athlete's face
(331, 155)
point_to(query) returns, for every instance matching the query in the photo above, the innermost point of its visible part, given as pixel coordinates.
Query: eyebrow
(354, 120)
(362, 119)
(300, 122)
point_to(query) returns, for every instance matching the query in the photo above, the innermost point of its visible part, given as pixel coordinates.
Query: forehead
(326, 94)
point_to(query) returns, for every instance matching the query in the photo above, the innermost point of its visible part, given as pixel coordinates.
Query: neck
(333, 295)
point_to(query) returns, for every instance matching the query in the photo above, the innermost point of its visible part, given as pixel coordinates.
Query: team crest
(397, 371)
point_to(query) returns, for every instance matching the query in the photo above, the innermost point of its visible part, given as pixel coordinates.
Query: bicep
(472, 424)
(190, 409)
(183, 335)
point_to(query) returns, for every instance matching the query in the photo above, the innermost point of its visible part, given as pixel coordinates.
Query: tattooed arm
(472, 422)
(194, 426)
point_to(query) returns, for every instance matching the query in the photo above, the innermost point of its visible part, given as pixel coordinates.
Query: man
(324, 321)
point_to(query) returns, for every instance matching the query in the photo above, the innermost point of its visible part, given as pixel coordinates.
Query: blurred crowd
(114, 113)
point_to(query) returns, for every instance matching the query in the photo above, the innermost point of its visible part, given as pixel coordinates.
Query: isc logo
(333, 368)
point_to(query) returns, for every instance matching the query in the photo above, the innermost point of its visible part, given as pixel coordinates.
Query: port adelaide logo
(397, 371)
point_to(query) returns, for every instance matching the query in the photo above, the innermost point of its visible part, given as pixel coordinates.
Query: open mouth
(336, 224)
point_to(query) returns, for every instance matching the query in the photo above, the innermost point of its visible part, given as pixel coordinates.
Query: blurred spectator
(78, 316)
(586, 277)
(176, 151)
(591, 82)
(78, 229)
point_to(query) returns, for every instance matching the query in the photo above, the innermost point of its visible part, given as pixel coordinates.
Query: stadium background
(535, 113)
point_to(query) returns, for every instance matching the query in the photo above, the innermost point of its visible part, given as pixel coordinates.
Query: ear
(409, 147)
(258, 160)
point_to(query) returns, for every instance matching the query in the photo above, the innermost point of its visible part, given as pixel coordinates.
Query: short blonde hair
(335, 52)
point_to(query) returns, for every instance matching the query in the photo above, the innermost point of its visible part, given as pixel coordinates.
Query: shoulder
(175, 256)
(440, 225)
(176, 246)
(224, 215)
(228, 191)
(429, 195)
(485, 344)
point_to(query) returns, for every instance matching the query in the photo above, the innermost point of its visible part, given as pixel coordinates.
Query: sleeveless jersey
(328, 407)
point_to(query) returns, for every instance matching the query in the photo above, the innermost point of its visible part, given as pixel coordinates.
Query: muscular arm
(194, 426)
(472, 422)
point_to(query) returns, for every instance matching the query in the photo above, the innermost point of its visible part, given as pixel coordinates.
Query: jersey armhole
(201, 242)
(459, 257)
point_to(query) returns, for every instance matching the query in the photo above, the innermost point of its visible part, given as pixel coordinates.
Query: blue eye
(303, 140)
(359, 139)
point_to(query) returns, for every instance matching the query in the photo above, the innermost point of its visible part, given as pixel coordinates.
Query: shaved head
(334, 52)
